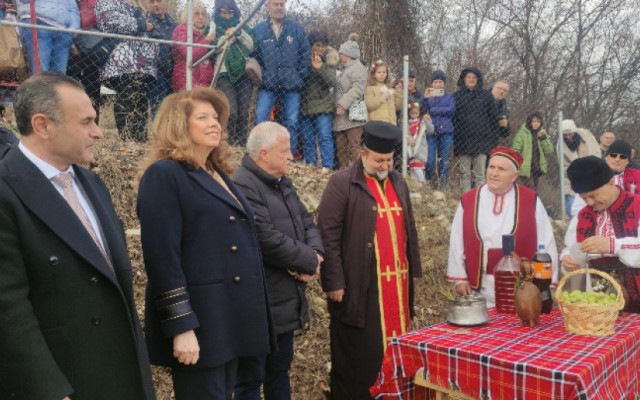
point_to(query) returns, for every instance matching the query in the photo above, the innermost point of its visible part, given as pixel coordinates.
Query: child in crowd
(417, 151)
(381, 99)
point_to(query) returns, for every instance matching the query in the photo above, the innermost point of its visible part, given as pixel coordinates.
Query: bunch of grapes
(578, 296)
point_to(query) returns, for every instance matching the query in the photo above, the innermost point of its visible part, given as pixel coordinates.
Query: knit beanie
(438, 74)
(350, 48)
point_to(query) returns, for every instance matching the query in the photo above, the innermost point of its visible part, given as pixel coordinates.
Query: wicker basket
(590, 319)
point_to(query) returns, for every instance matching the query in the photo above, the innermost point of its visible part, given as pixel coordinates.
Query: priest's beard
(381, 175)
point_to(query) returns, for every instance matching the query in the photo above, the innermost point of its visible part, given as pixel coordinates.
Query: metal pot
(468, 311)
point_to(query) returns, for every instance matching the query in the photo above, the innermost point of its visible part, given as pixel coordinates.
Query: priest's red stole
(524, 229)
(625, 216)
(391, 259)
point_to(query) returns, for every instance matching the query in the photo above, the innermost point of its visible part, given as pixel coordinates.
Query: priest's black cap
(381, 137)
(588, 173)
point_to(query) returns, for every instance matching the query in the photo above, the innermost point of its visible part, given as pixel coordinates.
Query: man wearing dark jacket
(476, 113)
(291, 250)
(372, 260)
(285, 57)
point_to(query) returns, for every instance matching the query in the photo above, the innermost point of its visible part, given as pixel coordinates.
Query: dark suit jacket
(68, 325)
(205, 271)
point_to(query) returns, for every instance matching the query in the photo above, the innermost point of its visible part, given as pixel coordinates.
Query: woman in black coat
(206, 302)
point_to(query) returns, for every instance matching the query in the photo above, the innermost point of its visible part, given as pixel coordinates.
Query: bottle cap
(508, 244)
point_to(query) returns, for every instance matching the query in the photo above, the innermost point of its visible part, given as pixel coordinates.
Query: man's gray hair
(501, 81)
(264, 136)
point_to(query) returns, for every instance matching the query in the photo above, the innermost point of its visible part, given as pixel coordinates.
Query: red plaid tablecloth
(501, 360)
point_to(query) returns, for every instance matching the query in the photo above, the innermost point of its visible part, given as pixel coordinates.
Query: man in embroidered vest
(607, 227)
(484, 214)
(371, 261)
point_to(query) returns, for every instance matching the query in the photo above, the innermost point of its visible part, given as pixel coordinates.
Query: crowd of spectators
(314, 90)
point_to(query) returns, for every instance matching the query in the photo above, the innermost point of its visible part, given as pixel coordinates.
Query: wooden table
(501, 360)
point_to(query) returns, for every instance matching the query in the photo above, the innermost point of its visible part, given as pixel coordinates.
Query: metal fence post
(561, 165)
(405, 112)
(189, 63)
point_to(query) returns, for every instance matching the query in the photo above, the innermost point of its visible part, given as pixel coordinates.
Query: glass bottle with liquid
(542, 277)
(505, 275)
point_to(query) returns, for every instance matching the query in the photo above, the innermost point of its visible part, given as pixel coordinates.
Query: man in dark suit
(68, 322)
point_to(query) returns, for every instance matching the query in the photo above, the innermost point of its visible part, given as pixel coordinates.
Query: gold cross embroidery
(396, 208)
(388, 273)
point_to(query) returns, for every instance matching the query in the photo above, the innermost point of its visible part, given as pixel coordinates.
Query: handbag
(11, 55)
(358, 111)
(253, 70)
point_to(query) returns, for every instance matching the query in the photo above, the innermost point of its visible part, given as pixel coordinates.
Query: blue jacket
(286, 62)
(441, 110)
(60, 13)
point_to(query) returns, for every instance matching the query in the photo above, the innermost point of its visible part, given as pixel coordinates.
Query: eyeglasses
(230, 12)
(616, 155)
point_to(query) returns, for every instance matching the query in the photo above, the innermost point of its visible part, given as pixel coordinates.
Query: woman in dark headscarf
(233, 80)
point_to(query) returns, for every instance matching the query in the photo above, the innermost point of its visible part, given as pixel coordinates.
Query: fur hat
(350, 48)
(588, 174)
(438, 74)
(568, 126)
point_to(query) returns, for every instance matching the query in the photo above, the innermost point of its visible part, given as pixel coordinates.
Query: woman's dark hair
(531, 116)
(318, 35)
(230, 4)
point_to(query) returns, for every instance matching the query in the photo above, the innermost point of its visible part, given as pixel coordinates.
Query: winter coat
(347, 220)
(163, 29)
(316, 96)
(588, 147)
(202, 75)
(379, 111)
(58, 13)
(441, 109)
(350, 86)
(523, 143)
(244, 38)
(288, 240)
(129, 56)
(474, 118)
(286, 61)
(203, 260)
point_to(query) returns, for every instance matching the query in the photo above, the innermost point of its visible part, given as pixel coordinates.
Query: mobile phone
(437, 92)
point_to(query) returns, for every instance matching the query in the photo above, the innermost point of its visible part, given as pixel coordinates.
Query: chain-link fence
(319, 89)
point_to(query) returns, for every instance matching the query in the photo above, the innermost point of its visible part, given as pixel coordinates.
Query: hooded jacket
(474, 117)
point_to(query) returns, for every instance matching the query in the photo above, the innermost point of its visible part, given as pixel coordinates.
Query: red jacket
(202, 74)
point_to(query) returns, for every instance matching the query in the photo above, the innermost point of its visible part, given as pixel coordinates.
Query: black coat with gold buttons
(205, 271)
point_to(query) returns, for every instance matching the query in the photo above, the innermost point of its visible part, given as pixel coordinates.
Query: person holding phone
(440, 106)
